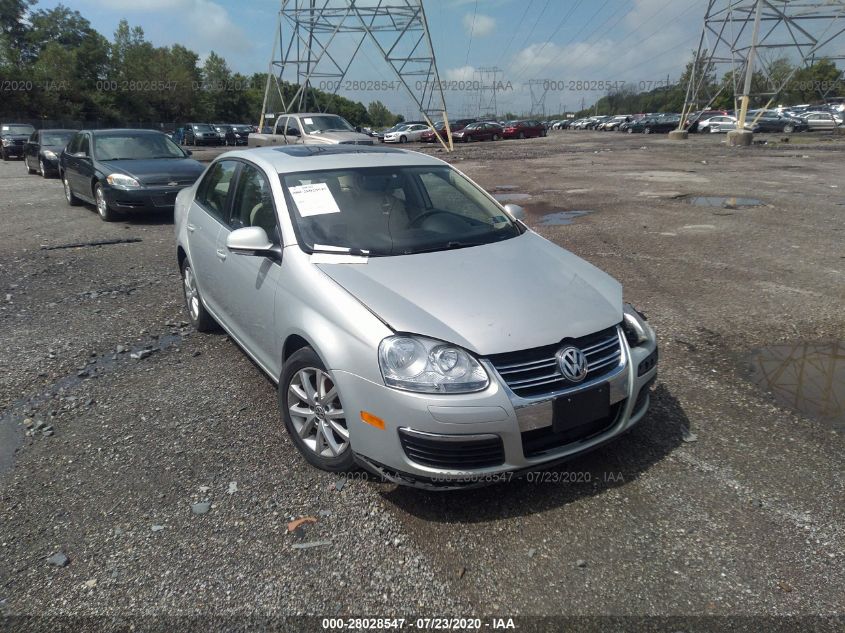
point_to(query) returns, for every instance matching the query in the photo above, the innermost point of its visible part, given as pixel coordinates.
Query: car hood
(517, 294)
(16, 137)
(330, 138)
(159, 171)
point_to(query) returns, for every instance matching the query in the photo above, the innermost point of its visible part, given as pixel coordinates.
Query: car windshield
(128, 146)
(203, 127)
(57, 139)
(327, 123)
(392, 210)
(18, 129)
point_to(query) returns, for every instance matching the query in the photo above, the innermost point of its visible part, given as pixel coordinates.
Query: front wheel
(200, 318)
(520, 135)
(788, 129)
(403, 139)
(313, 414)
(647, 130)
(43, 169)
(29, 169)
(496, 137)
(107, 214)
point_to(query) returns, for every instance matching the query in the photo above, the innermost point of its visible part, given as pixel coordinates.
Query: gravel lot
(723, 502)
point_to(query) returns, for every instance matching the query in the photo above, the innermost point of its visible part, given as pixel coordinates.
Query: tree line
(55, 66)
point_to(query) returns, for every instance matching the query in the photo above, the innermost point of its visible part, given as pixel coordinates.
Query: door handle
(191, 228)
(221, 254)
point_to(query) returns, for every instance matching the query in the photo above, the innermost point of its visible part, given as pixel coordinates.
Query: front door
(251, 281)
(206, 216)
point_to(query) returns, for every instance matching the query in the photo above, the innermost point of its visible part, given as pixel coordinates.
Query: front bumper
(501, 433)
(143, 199)
(13, 150)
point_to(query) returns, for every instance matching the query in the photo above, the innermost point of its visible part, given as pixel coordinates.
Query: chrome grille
(535, 372)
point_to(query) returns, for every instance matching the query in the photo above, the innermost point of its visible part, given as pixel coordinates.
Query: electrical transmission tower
(488, 80)
(538, 89)
(316, 42)
(741, 36)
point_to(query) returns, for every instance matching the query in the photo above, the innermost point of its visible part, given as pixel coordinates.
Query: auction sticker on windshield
(314, 199)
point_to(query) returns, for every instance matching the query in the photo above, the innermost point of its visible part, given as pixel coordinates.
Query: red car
(479, 131)
(524, 129)
(456, 126)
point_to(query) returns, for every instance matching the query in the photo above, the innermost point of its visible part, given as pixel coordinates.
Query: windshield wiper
(448, 246)
(343, 250)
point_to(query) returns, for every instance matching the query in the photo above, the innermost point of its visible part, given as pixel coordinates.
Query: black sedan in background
(13, 136)
(125, 170)
(201, 134)
(650, 125)
(773, 121)
(233, 134)
(41, 152)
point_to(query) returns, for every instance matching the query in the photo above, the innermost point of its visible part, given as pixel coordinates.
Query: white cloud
(479, 25)
(464, 73)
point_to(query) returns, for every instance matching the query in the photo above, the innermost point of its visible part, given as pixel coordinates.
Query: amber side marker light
(372, 420)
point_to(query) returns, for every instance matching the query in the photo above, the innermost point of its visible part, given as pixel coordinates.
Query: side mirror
(516, 211)
(252, 240)
(80, 155)
(189, 152)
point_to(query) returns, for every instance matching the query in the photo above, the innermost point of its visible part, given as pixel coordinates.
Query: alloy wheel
(102, 205)
(316, 412)
(42, 167)
(192, 297)
(68, 194)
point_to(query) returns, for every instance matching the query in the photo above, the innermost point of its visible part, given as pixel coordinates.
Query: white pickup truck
(310, 129)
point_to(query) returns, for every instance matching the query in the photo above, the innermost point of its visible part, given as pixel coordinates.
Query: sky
(561, 43)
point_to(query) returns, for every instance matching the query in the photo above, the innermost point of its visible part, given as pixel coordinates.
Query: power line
(515, 31)
(471, 31)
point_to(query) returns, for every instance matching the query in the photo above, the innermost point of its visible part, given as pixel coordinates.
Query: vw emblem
(573, 364)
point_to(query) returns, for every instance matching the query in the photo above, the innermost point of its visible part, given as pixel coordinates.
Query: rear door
(250, 281)
(206, 217)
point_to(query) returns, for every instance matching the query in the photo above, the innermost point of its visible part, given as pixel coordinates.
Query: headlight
(122, 180)
(6, 142)
(49, 155)
(415, 363)
(634, 324)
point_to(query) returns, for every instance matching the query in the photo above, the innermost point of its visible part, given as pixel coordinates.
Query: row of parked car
(782, 120)
(464, 131)
(116, 170)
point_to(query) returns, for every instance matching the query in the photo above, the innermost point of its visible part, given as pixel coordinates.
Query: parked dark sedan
(772, 121)
(523, 129)
(233, 134)
(455, 126)
(125, 170)
(13, 137)
(480, 131)
(650, 125)
(41, 152)
(201, 134)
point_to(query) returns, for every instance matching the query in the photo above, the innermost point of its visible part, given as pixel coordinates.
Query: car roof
(296, 158)
(121, 131)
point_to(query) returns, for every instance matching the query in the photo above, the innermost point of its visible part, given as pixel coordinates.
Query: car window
(84, 145)
(214, 188)
(253, 203)
(393, 210)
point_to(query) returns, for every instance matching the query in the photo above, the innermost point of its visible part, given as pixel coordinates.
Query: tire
(316, 423)
(467, 139)
(72, 200)
(3, 154)
(29, 169)
(543, 134)
(630, 130)
(43, 169)
(521, 135)
(403, 139)
(496, 137)
(199, 316)
(788, 129)
(107, 214)
(647, 130)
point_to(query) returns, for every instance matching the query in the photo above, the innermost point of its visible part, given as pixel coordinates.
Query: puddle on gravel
(560, 218)
(511, 197)
(11, 427)
(505, 187)
(724, 202)
(806, 377)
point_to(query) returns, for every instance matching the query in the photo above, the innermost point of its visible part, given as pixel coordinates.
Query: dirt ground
(725, 501)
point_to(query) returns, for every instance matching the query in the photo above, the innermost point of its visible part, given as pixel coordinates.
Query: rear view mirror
(516, 211)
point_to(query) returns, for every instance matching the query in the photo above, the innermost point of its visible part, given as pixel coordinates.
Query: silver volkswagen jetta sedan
(414, 326)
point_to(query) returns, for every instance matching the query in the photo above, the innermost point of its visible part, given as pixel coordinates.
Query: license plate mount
(580, 408)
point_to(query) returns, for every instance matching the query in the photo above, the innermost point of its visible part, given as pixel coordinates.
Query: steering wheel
(414, 224)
